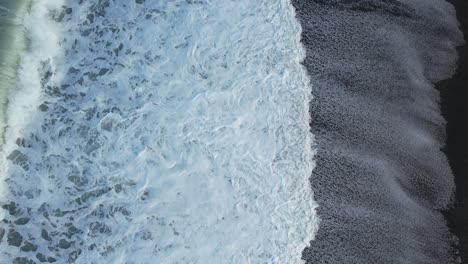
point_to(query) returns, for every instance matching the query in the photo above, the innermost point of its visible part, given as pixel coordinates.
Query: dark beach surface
(454, 98)
(381, 180)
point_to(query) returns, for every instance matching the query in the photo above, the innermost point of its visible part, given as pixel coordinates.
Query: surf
(12, 43)
(161, 130)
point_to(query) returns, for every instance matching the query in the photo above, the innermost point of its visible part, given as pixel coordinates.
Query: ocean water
(158, 131)
(12, 43)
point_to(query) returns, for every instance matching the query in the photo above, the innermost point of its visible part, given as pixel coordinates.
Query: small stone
(2, 234)
(118, 49)
(92, 76)
(86, 32)
(21, 221)
(64, 244)
(14, 238)
(43, 107)
(11, 207)
(16, 156)
(28, 246)
(45, 235)
(118, 188)
(139, 1)
(92, 247)
(73, 70)
(23, 260)
(106, 124)
(103, 71)
(90, 17)
(41, 257)
(72, 230)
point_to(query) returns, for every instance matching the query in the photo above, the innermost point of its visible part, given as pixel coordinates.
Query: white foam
(193, 148)
(43, 47)
(24, 99)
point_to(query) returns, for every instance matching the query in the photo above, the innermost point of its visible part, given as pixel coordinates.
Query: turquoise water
(12, 42)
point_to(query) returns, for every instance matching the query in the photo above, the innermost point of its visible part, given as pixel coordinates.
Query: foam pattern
(160, 132)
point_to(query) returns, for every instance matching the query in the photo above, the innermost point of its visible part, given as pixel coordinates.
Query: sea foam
(168, 131)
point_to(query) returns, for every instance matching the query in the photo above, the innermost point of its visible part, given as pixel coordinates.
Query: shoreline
(381, 178)
(453, 96)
